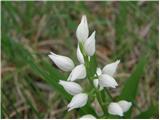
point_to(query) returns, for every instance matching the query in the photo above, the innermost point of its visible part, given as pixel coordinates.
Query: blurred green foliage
(30, 30)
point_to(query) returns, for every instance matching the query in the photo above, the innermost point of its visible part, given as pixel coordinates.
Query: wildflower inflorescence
(99, 79)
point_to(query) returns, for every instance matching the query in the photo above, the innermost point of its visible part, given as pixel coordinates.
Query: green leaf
(121, 21)
(130, 89)
(131, 86)
(152, 111)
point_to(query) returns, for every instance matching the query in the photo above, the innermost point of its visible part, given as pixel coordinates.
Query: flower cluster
(102, 78)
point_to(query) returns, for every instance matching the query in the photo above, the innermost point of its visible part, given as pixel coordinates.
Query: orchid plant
(98, 78)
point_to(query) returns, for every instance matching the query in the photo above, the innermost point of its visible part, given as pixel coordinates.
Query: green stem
(99, 98)
(91, 77)
(109, 94)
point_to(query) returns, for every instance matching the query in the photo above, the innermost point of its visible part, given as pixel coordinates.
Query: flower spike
(86, 69)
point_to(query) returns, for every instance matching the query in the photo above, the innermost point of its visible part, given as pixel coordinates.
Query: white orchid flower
(71, 87)
(125, 105)
(107, 81)
(115, 109)
(89, 45)
(62, 62)
(105, 76)
(78, 101)
(80, 55)
(110, 69)
(82, 30)
(118, 108)
(79, 72)
(88, 116)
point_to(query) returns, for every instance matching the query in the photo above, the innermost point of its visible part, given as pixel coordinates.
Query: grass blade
(131, 86)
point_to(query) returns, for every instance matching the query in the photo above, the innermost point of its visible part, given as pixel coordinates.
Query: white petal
(99, 71)
(89, 45)
(125, 105)
(110, 69)
(78, 101)
(107, 81)
(82, 30)
(79, 72)
(71, 87)
(95, 83)
(115, 109)
(88, 116)
(79, 55)
(62, 62)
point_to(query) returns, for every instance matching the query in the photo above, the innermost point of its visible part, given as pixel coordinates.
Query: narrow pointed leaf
(130, 89)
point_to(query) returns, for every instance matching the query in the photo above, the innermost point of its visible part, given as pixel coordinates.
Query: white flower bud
(79, 72)
(125, 105)
(78, 101)
(82, 30)
(110, 69)
(107, 81)
(115, 109)
(88, 116)
(80, 56)
(62, 62)
(89, 45)
(71, 87)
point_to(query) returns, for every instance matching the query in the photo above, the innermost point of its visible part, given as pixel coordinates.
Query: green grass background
(30, 30)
